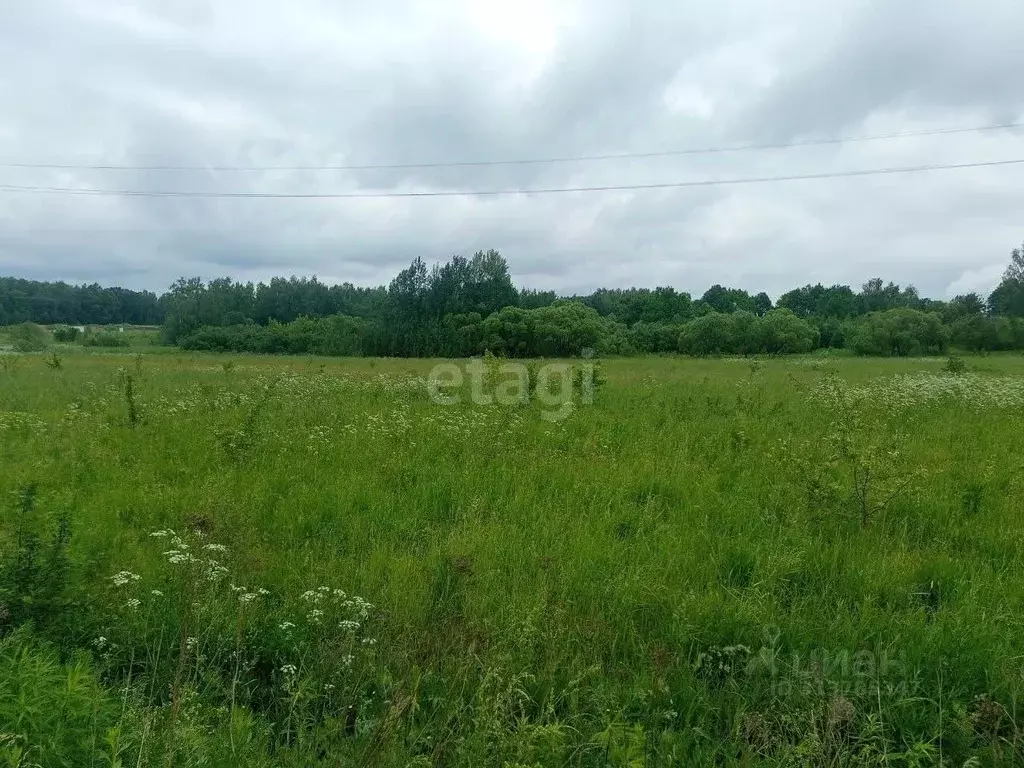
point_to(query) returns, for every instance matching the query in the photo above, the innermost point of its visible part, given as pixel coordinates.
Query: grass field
(213, 560)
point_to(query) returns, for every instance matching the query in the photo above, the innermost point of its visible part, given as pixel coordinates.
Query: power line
(528, 161)
(497, 192)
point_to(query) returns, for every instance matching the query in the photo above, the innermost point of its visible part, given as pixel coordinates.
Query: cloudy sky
(336, 82)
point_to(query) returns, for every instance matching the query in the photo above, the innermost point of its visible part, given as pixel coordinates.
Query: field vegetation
(262, 561)
(468, 306)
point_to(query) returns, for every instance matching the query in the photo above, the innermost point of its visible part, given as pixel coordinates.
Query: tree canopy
(468, 304)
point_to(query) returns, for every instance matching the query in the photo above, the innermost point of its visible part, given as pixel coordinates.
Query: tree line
(468, 305)
(30, 301)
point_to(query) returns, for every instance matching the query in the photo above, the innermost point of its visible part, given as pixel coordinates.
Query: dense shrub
(66, 333)
(778, 332)
(336, 335)
(52, 713)
(980, 333)
(831, 332)
(105, 339)
(711, 334)
(28, 337)
(564, 329)
(655, 338)
(782, 332)
(900, 333)
(616, 341)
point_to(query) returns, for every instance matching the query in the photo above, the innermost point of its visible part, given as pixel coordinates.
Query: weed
(954, 364)
(343, 573)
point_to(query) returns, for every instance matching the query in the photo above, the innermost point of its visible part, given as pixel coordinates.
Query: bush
(655, 338)
(616, 341)
(782, 332)
(52, 713)
(28, 337)
(831, 332)
(563, 329)
(746, 333)
(988, 334)
(711, 334)
(900, 333)
(337, 335)
(955, 364)
(778, 332)
(105, 339)
(66, 333)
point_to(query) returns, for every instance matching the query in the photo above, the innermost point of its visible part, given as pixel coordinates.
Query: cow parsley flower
(124, 577)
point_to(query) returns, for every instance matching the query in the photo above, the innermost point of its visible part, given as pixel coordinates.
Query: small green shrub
(54, 362)
(52, 713)
(34, 571)
(66, 333)
(28, 337)
(105, 339)
(954, 364)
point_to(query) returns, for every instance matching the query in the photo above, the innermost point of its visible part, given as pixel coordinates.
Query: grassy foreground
(213, 560)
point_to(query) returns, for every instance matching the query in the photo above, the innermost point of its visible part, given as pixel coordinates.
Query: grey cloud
(944, 58)
(317, 82)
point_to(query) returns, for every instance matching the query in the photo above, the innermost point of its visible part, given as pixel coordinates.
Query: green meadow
(214, 560)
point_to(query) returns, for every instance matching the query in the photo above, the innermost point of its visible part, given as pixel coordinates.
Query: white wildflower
(177, 556)
(286, 625)
(133, 603)
(215, 571)
(289, 669)
(124, 577)
(348, 625)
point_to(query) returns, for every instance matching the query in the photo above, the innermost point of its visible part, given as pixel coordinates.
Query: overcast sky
(318, 82)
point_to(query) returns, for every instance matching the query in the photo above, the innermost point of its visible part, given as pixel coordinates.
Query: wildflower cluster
(353, 609)
(331, 633)
(246, 596)
(18, 420)
(925, 389)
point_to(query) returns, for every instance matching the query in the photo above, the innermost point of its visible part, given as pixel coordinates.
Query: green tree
(782, 332)
(1008, 298)
(968, 305)
(899, 333)
(711, 334)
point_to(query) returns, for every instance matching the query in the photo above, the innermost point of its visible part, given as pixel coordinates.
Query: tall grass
(280, 561)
